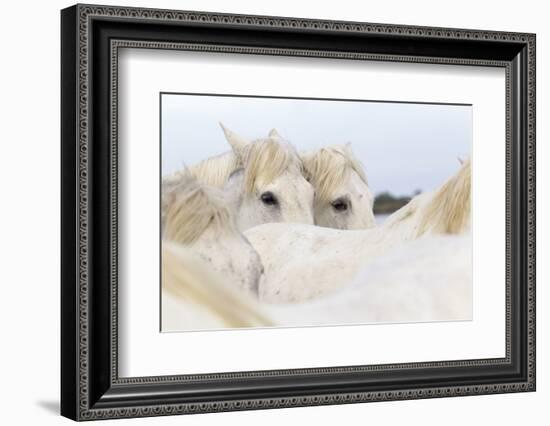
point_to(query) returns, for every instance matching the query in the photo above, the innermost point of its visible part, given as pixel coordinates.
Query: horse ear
(273, 133)
(306, 157)
(237, 142)
(347, 147)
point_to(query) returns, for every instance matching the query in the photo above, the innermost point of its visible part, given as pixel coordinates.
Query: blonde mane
(329, 168)
(215, 171)
(448, 212)
(266, 159)
(191, 208)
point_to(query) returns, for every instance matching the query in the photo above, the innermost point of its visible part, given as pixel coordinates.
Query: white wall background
(29, 225)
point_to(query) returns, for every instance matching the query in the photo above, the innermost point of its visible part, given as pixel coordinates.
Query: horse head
(268, 186)
(197, 217)
(343, 199)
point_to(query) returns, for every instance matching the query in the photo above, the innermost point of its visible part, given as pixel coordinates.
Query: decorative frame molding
(91, 37)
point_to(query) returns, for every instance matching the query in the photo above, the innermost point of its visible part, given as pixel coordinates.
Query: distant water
(380, 218)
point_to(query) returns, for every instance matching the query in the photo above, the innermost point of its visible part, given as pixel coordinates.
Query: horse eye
(340, 205)
(269, 199)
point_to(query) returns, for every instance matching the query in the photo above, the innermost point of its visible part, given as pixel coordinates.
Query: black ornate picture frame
(90, 385)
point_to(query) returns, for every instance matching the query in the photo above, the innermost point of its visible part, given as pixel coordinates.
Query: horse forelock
(329, 168)
(266, 159)
(191, 209)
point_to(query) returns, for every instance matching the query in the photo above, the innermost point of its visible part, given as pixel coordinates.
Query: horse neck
(444, 211)
(448, 212)
(403, 223)
(231, 255)
(215, 239)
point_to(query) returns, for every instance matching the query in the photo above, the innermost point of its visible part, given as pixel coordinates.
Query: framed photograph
(263, 212)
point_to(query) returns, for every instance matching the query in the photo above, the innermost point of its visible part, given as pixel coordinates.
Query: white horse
(343, 199)
(262, 181)
(428, 279)
(196, 297)
(304, 262)
(197, 217)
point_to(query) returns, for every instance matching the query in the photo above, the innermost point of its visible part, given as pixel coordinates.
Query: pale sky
(403, 147)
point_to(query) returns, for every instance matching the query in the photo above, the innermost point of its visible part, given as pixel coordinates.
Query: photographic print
(293, 212)
(347, 209)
